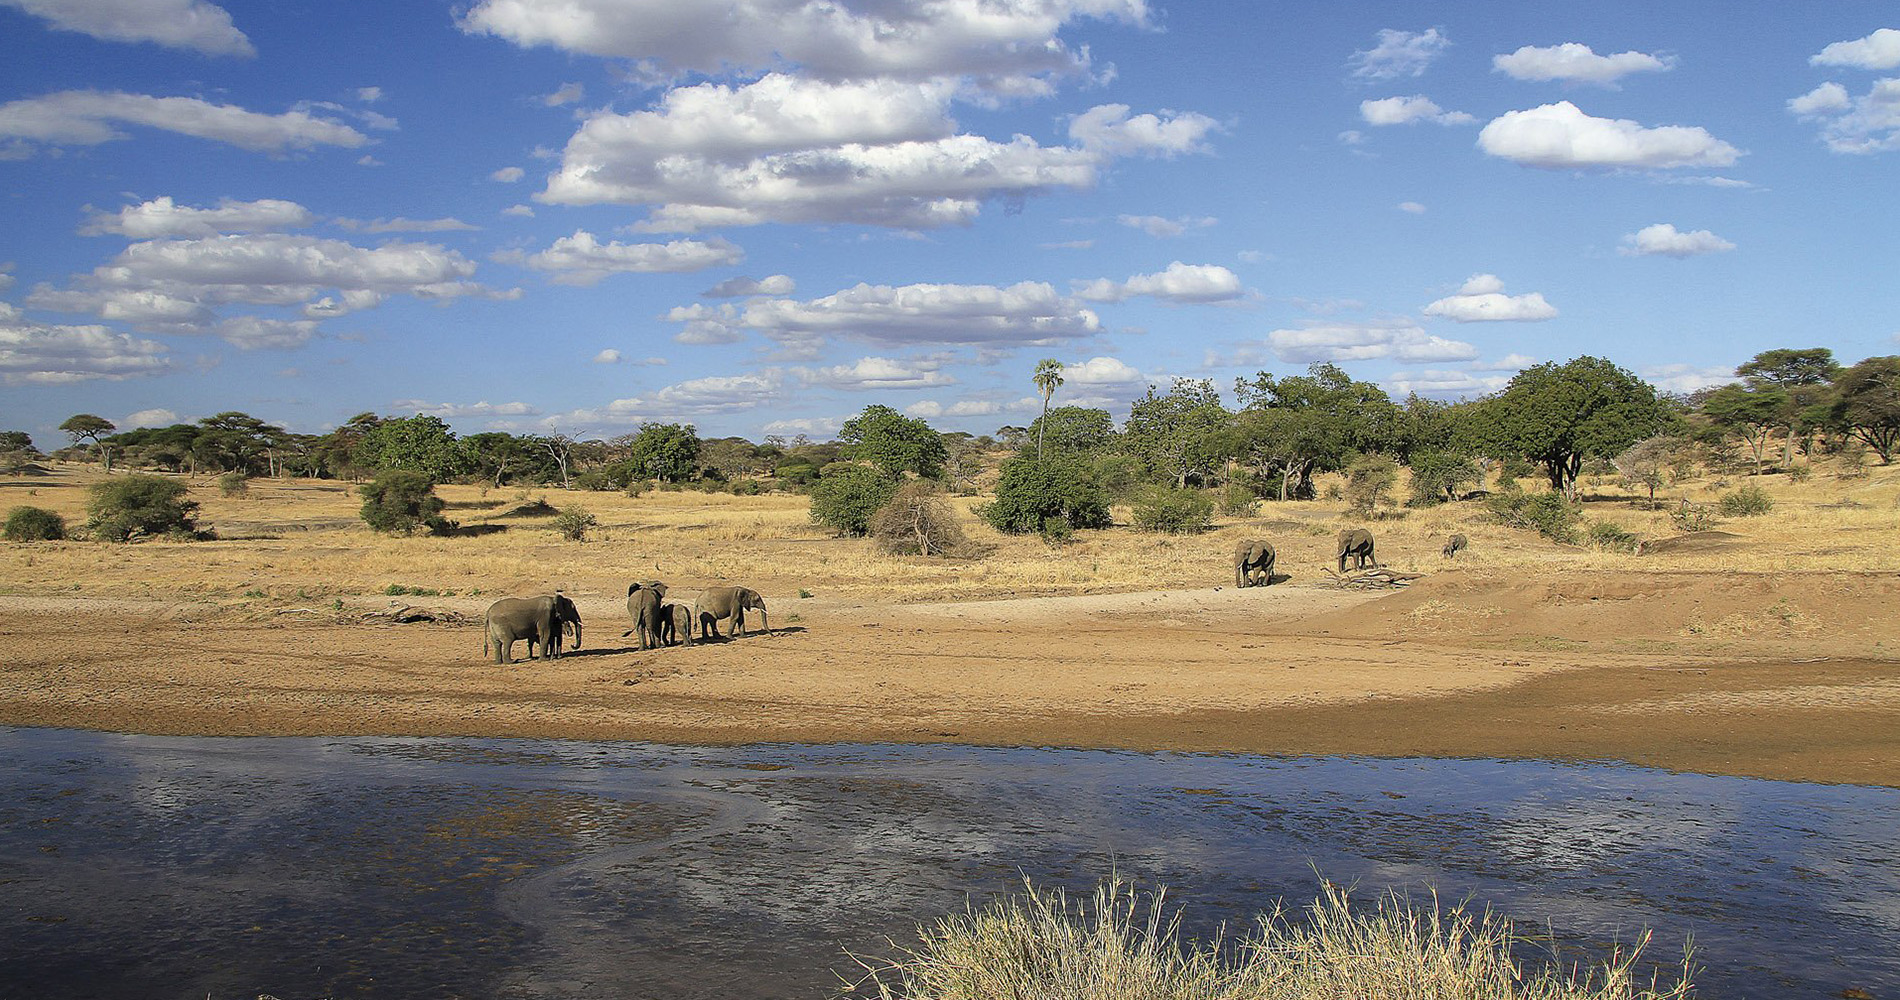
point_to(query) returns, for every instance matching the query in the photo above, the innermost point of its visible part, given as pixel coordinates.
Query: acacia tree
(1560, 415)
(1302, 424)
(94, 428)
(1868, 405)
(1175, 433)
(1802, 375)
(1048, 379)
(1749, 412)
(1073, 430)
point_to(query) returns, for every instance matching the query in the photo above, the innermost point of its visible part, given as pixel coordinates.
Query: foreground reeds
(1122, 944)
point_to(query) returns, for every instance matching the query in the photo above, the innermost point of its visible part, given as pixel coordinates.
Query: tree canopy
(893, 442)
(1561, 414)
(1869, 403)
(1174, 433)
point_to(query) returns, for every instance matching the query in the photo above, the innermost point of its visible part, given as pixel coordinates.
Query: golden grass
(1042, 944)
(301, 540)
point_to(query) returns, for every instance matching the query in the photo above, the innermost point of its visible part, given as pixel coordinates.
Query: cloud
(369, 95)
(1412, 207)
(930, 409)
(1398, 54)
(1866, 124)
(718, 394)
(1507, 363)
(402, 225)
(1443, 384)
(178, 24)
(877, 152)
(1662, 239)
(742, 287)
(162, 217)
(1067, 245)
(155, 417)
(519, 211)
(1179, 283)
(1160, 228)
(42, 354)
(449, 411)
(877, 373)
(1365, 342)
(1482, 299)
(1572, 62)
(581, 259)
(1028, 312)
(88, 117)
(1880, 50)
(1685, 378)
(508, 175)
(1102, 371)
(1559, 136)
(252, 333)
(610, 356)
(1014, 45)
(813, 426)
(1410, 111)
(568, 93)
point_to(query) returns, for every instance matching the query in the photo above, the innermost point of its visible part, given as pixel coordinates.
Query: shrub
(1368, 481)
(1749, 501)
(1172, 510)
(400, 501)
(1056, 532)
(747, 488)
(1610, 537)
(1800, 473)
(128, 507)
(573, 521)
(1692, 517)
(1437, 477)
(34, 524)
(1029, 493)
(917, 521)
(1548, 514)
(1239, 500)
(234, 484)
(845, 497)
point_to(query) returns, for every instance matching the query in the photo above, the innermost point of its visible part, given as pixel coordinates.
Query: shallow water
(138, 866)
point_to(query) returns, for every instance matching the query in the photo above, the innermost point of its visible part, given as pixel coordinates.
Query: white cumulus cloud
(508, 175)
(1866, 124)
(1482, 300)
(742, 287)
(448, 411)
(878, 373)
(1399, 54)
(581, 259)
(930, 409)
(1560, 136)
(1663, 239)
(155, 417)
(177, 24)
(43, 354)
(1365, 342)
(1028, 312)
(91, 117)
(1179, 283)
(162, 217)
(1880, 50)
(1163, 228)
(1573, 62)
(1102, 371)
(1410, 111)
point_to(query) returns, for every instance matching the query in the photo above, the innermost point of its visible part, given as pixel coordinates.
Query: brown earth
(1783, 675)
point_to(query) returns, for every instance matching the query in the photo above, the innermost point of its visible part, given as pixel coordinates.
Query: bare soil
(1784, 675)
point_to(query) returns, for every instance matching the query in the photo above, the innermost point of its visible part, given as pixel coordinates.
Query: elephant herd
(1253, 557)
(544, 622)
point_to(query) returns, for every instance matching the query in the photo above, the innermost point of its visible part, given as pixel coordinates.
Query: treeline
(1555, 420)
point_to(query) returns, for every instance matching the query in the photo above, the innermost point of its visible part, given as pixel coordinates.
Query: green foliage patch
(138, 506)
(34, 524)
(400, 501)
(1548, 514)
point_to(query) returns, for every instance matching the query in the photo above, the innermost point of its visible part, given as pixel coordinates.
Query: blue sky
(760, 216)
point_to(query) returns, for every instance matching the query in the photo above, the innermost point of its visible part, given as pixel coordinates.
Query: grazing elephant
(722, 603)
(1253, 563)
(540, 620)
(1357, 544)
(676, 624)
(643, 606)
(1456, 544)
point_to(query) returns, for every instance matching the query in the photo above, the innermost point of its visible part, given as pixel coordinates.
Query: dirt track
(1786, 676)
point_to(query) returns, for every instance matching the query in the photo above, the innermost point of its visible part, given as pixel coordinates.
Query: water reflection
(149, 866)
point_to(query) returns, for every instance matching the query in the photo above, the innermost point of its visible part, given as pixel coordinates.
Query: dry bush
(917, 521)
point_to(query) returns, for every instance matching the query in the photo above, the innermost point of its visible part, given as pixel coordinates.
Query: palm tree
(1047, 378)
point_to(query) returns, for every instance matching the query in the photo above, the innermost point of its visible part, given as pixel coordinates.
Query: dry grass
(1044, 945)
(301, 540)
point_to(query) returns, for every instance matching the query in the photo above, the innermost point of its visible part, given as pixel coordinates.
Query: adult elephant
(539, 620)
(1356, 544)
(644, 599)
(722, 603)
(1253, 563)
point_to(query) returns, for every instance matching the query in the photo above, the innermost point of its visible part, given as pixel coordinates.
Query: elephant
(1253, 563)
(676, 624)
(722, 603)
(1456, 544)
(643, 606)
(1356, 543)
(540, 620)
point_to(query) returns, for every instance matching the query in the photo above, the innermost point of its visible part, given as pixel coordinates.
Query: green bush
(573, 521)
(1610, 537)
(1368, 481)
(1438, 476)
(1056, 532)
(1548, 514)
(1749, 501)
(845, 497)
(126, 507)
(400, 501)
(1800, 473)
(747, 488)
(234, 484)
(34, 524)
(1239, 500)
(1172, 510)
(1693, 517)
(1030, 493)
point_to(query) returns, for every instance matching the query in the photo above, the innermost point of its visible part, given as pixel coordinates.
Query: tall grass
(1123, 944)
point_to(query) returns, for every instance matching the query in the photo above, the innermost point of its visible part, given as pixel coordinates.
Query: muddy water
(135, 866)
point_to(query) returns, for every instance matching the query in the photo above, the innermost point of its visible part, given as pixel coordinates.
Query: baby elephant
(676, 625)
(1456, 544)
(1356, 544)
(723, 603)
(1253, 563)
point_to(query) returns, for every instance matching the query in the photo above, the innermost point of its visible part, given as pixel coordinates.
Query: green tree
(1559, 415)
(139, 506)
(91, 427)
(1048, 379)
(666, 452)
(1177, 433)
(492, 455)
(846, 496)
(1868, 404)
(422, 443)
(401, 500)
(1073, 430)
(1304, 424)
(239, 442)
(893, 442)
(1368, 480)
(1031, 494)
(17, 441)
(1805, 375)
(1437, 476)
(1749, 413)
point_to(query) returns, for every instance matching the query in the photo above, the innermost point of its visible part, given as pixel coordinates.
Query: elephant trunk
(577, 633)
